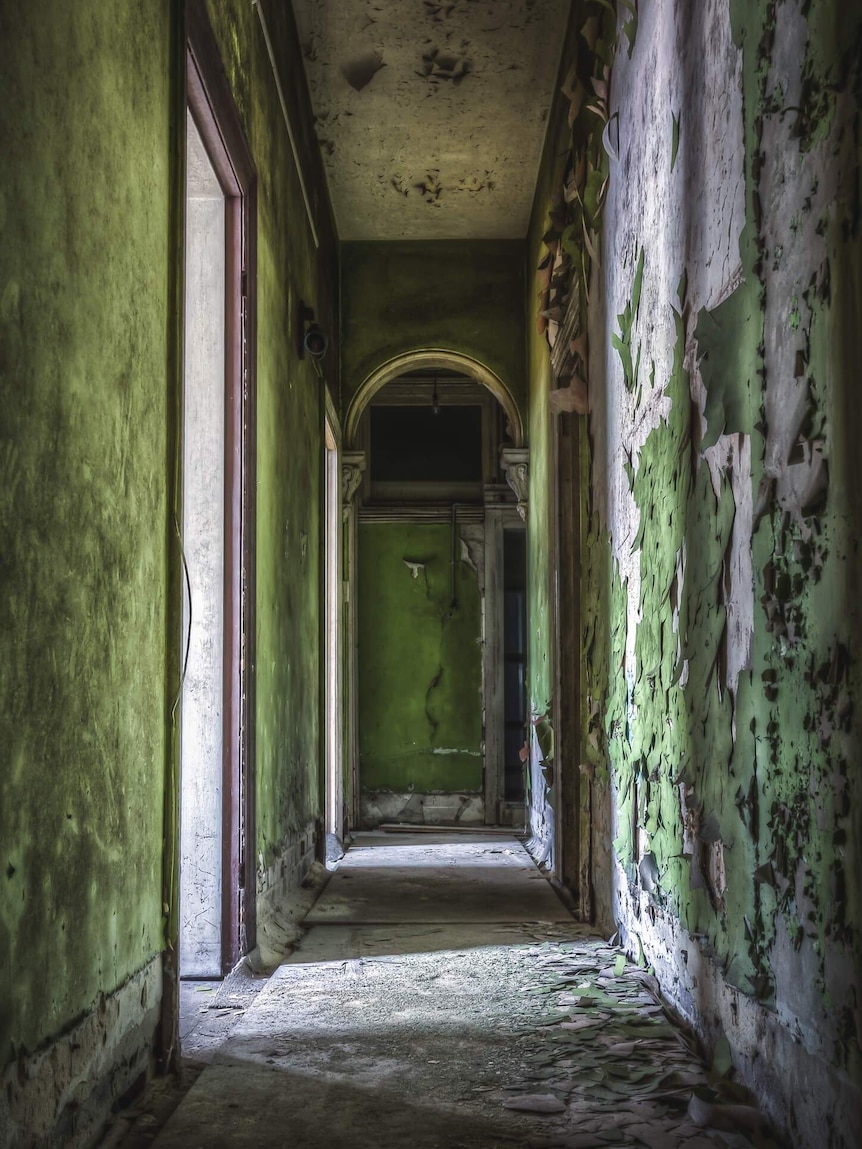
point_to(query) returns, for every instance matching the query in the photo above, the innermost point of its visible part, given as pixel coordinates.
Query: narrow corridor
(444, 996)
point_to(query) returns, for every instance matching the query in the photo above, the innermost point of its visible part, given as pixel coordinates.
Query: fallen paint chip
(535, 1103)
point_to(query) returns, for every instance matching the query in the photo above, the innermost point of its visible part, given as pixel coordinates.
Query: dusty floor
(443, 996)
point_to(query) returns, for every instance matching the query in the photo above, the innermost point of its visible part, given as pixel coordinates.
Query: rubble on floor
(550, 1038)
(427, 1008)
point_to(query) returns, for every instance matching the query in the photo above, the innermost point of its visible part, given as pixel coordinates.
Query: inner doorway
(333, 623)
(215, 728)
(433, 509)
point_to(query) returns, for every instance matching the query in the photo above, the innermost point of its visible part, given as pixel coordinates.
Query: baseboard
(431, 809)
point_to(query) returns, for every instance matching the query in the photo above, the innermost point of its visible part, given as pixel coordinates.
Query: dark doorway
(514, 660)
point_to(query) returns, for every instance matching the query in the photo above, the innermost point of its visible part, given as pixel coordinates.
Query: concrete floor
(444, 997)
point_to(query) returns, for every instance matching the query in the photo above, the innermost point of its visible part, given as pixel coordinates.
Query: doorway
(217, 519)
(333, 622)
(434, 515)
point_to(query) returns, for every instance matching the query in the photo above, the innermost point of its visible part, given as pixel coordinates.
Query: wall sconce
(313, 341)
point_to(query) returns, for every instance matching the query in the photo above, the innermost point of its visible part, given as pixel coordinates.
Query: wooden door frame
(333, 626)
(571, 816)
(499, 517)
(210, 101)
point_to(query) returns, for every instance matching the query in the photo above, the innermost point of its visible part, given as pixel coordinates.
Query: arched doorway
(436, 626)
(430, 360)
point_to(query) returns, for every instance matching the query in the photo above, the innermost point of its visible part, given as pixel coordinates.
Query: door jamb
(572, 845)
(211, 103)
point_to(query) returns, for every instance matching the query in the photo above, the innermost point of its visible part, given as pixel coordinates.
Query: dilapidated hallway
(443, 996)
(440, 413)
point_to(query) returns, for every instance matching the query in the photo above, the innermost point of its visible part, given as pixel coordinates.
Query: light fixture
(312, 340)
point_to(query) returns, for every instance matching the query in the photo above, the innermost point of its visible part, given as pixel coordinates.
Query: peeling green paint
(737, 809)
(623, 341)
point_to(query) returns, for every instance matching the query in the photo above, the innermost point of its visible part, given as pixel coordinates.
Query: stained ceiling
(430, 114)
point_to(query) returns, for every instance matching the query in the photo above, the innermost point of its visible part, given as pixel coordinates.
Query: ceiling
(431, 115)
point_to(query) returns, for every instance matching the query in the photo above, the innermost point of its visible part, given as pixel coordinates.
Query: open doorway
(434, 518)
(216, 782)
(333, 622)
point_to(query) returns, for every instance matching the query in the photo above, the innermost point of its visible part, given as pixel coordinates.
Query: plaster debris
(429, 1018)
(442, 66)
(360, 71)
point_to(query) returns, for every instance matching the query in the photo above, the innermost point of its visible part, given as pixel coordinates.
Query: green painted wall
(87, 423)
(289, 412)
(84, 193)
(420, 672)
(464, 296)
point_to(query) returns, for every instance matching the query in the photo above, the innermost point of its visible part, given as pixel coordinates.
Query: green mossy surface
(86, 394)
(420, 670)
(84, 194)
(459, 295)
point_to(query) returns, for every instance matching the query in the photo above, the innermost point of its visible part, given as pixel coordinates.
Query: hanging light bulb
(435, 400)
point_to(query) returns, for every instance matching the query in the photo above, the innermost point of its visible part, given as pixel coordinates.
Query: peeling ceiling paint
(431, 115)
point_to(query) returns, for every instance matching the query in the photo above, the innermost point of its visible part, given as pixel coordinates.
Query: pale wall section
(202, 703)
(684, 222)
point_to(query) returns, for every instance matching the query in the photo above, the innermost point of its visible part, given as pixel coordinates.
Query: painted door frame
(572, 815)
(499, 517)
(211, 103)
(335, 797)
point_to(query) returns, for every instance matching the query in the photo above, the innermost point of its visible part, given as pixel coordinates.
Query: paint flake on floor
(459, 1033)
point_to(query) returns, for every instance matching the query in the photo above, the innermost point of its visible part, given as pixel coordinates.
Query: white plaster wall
(684, 64)
(688, 218)
(201, 717)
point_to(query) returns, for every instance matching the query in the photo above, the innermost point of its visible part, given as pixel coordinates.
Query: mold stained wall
(724, 495)
(289, 425)
(420, 662)
(84, 196)
(86, 404)
(459, 295)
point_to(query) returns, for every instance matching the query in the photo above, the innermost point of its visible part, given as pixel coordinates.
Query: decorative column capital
(352, 466)
(516, 465)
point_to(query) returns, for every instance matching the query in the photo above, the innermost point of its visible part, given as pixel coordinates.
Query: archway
(450, 542)
(434, 359)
